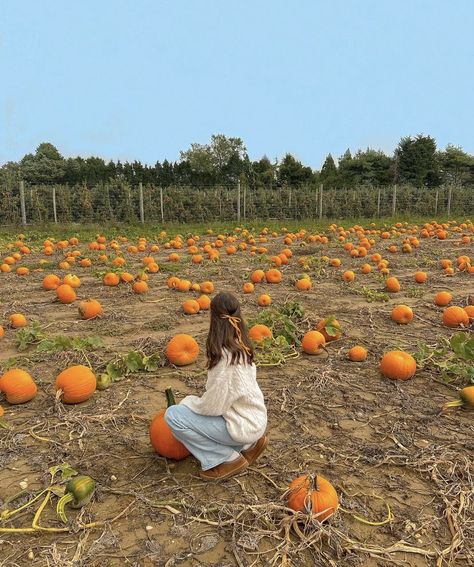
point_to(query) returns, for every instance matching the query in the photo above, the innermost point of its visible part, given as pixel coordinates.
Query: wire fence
(120, 202)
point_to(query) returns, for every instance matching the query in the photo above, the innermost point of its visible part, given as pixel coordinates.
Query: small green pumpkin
(79, 491)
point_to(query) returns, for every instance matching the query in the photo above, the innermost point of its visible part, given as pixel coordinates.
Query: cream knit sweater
(232, 391)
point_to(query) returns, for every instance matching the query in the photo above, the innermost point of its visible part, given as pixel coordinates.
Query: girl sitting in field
(225, 428)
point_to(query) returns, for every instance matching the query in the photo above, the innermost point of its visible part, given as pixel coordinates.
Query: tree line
(224, 160)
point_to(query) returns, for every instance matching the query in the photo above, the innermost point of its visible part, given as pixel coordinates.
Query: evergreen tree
(328, 175)
(417, 161)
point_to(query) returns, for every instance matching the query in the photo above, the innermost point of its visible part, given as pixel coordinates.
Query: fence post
(55, 216)
(245, 201)
(394, 200)
(22, 202)
(161, 206)
(436, 201)
(450, 194)
(321, 201)
(142, 211)
(238, 200)
(378, 202)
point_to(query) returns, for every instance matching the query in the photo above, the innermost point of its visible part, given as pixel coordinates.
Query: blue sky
(143, 79)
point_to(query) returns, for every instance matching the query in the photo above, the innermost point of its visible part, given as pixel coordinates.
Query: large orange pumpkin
(257, 276)
(161, 436)
(66, 294)
(273, 276)
(207, 287)
(18, 386)
(313, 342)
(313, 494)
(392, 285)
(90, 309)
(443, 298)
(77, 383)
(191, 307)
(455, 317)
(258, 333)
(398, 365)
(402, 314)
(51, 282)
(182, 350)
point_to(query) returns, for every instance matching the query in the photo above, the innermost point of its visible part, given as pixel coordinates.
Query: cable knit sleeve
(218, 397)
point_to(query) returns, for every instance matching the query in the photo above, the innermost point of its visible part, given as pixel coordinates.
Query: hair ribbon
(234, 321)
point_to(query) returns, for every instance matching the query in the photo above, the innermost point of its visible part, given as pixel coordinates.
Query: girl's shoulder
(240, 363)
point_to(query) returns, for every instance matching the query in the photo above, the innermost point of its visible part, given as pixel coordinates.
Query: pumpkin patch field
(364, 344)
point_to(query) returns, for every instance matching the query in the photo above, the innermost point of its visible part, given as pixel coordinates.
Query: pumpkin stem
(61, 504)
(170, 397)
(453, 404)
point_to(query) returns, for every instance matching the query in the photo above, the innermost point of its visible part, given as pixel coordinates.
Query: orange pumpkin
(402, 314)
(66, 294)
(161, 436)
(330, 328)
(248, 287)
(257, 276)
(469, 309)
(183, 285)
(392, 285)
(207, 287)
(421, 277)
(304, 284)
(313, 342)
(398, 365)
(140, 286)
(455, 317)
(77, 383)
(204, 302)
(258, 333)
(2, 332)
(111, 279)
(314, 495)
(182, 349)
(273, 276)
(18, 386)
(51, 282)
(264, 300)
(191, 307)
(357, 354)
(72, 280)
(90, 309)
(18, 320)
(348, 276)
(443, 298)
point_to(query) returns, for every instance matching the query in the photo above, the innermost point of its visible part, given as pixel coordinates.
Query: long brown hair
(227, 331)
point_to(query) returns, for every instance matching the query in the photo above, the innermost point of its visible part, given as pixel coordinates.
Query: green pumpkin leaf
(133, 361)
(114, 371)
(457, 342)
(65, 469)
(151, 363)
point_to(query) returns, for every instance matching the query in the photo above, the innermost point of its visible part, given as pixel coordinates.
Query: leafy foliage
(331, 327)
(453, 358)
(283, 321)
(274, 351)
(133, 361)
(30, 335)
(370, 294)
(34, 335)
